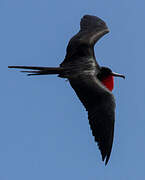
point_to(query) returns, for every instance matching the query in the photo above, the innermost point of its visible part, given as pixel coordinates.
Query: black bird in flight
(92, 83)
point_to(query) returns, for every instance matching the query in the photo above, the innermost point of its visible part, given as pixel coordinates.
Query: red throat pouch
(108, 82)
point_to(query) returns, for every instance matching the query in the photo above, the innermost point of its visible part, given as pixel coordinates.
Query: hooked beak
(118, 75)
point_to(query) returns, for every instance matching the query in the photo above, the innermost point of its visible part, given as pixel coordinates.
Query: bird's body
(93, 84)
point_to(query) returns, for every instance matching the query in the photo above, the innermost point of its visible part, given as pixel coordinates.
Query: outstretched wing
(100, 104)
(82, 44)
(92, 29)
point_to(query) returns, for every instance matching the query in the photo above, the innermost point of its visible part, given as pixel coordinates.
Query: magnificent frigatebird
(92, 83)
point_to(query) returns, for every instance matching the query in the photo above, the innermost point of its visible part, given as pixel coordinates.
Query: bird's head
(106, 76)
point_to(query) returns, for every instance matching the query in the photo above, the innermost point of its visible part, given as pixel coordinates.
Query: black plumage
(84, 74)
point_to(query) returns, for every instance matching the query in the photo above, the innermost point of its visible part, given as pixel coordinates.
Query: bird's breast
(108, 82)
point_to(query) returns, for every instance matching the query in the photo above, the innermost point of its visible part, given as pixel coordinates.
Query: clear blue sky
(44, 130)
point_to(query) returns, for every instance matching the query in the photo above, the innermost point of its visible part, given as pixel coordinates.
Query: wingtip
(105, 158)
(106, 162)
(91, 21)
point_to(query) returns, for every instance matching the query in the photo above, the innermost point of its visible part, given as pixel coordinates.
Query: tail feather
(30, 73)
(39, 70)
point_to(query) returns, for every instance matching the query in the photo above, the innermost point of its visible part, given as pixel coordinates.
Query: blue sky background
(44, 131)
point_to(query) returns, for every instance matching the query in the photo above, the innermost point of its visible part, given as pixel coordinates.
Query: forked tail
(39, 70)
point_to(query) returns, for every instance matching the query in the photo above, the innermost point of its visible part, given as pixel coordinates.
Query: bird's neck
(108, 82)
